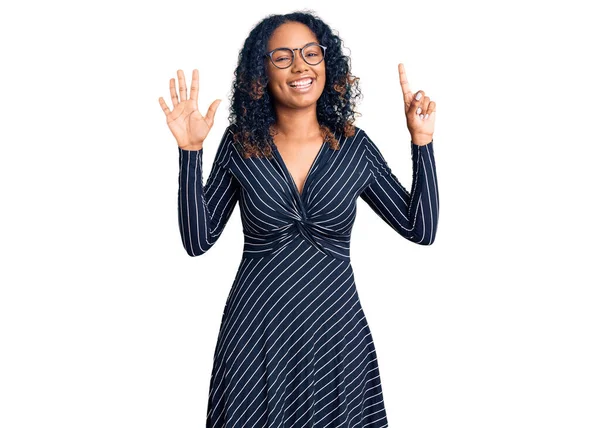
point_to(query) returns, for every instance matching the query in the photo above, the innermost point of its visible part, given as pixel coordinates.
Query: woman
(294, 347)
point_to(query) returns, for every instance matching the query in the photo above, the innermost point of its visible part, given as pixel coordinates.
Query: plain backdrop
(105, 321)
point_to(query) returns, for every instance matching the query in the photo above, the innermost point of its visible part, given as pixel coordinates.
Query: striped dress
(294, 348)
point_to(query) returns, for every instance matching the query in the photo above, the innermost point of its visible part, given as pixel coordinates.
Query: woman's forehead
(291, 35)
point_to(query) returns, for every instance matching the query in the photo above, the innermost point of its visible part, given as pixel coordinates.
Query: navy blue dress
(294, 347)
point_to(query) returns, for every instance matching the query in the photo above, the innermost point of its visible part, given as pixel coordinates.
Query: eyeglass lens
(313, 54)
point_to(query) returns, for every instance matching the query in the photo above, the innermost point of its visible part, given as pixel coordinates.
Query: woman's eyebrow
(294, 48)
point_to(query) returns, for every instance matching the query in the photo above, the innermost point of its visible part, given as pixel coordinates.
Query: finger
(430, 110)
(194, 88)
(416, 103)
(422, 109)
(407, 94)
(182, 86)
(431, 107)
(164, 106)
(173, 93)
(210, 114)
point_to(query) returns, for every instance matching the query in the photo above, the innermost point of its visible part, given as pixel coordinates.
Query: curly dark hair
(252, 114)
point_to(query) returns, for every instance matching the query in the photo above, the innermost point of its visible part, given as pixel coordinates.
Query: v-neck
(292, 182)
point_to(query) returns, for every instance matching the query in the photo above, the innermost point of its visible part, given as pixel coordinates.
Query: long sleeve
(205, 209)
(413, 215)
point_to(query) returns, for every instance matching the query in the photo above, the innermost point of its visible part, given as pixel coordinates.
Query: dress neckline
(291, 180)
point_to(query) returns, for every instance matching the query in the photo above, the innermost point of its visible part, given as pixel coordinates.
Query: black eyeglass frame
(270, 54)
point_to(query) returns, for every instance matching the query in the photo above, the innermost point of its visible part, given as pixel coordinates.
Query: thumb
(210, 114)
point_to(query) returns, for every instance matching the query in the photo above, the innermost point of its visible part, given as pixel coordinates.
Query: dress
(294, 347)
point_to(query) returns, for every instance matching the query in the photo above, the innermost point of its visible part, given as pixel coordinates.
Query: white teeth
(301, 84)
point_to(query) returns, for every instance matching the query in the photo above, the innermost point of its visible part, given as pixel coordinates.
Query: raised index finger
(404, 84)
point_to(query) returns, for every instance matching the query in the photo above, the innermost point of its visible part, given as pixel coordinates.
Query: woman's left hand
(420, 113)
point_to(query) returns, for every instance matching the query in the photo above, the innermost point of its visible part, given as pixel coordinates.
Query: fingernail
(418, 97)
(421, 116)
(427, 115)
(419, 110)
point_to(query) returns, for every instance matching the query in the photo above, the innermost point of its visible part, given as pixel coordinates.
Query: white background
(105, 321)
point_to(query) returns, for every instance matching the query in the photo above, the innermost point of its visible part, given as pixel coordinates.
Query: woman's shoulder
(362, 139)
(372, 153)
(224, 149)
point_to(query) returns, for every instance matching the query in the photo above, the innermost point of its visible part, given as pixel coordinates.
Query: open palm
(187, 124)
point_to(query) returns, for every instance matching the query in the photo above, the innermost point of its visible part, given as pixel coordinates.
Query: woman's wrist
(422, 140)
(191, 148)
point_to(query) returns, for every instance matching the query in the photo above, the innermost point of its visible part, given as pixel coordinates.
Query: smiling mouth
(303, 85)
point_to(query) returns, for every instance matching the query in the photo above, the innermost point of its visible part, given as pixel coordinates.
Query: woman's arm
(413, 215)
(205, 210)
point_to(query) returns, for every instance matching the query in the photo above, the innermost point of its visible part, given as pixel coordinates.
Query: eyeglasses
(313, 53)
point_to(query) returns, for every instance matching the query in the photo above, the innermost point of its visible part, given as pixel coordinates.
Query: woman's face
(294, 35)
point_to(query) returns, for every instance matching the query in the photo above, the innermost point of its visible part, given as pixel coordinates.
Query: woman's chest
(299, 159)
(331, 183)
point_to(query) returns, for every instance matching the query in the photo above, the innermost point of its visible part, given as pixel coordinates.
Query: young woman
(294, 347)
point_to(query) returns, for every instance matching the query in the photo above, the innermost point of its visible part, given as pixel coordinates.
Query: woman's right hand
(186, 123)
